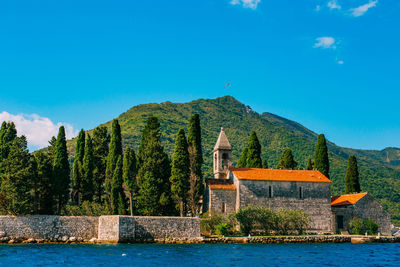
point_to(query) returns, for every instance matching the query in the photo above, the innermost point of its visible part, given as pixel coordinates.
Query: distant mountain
(379, 170)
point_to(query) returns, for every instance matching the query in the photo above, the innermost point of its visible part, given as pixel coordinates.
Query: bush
(359, 226)
(86, 209)
(247, 217)
(222, 228)
(209, 222)
(267, 219)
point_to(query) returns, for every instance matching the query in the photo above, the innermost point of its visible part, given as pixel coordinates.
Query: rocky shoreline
(216, 240)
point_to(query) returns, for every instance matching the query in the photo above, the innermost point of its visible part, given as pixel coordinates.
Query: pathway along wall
(43, 228)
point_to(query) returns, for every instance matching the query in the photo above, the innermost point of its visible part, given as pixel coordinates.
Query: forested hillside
(379, 170)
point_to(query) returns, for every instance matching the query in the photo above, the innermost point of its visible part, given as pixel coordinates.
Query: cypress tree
(77, 167)
(153, 175)
(129, 172)
(180, 171)
(321, 159)
(117, 191)
(287, 161)
(43, 190)
(87, 187)
(352, 184)
(101, 140)
(61, 177)
(196, 161)
(8, 133)
(114, 152)
(242, 163)
(265, 164)
(310, 164)
(52, 148)
(254, 152)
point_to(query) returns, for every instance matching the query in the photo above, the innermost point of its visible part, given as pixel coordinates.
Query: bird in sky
(226, 85)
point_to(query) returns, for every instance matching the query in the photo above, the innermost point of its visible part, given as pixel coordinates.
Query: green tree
(287, 161)
(242, 163)
(117, 191)
(180, 172)
(310, 164)
(87, 187)
(321, 159)
(43, 189)
(254, 152)
(196, 162)
(154, 172)
(352, 184)
(61, 176)
(265, 164)
(101, 140)
(8, 133)
(77, 168)
(114, 152)
(52, 148)
(129, 172)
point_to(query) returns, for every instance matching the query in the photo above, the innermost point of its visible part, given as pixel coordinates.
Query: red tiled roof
(222, 187)
(349, 199)
(279, 175)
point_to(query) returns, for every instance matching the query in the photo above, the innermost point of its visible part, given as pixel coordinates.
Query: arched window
(225, 160)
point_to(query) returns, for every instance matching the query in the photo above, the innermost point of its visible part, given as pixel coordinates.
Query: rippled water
(202, 255)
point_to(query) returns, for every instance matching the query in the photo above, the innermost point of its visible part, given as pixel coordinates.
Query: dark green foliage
(321, 160)
(87, 186)
(129, 172)
(352, 184)
(86, 209)
(77, 167)
(310, 164)
(180, 172)
(52, 148)
(61, 178)
(242, 163)
(287, 161)
(117, 191)
(222, 228)
(43, 189)
(101, 140)
(7, 134)
(254, 152)
(115, 151)
(265, 164)
(361, 226)
(209, 222)
(16, 174)
(196, 162)
(247, 217)
(154, 172)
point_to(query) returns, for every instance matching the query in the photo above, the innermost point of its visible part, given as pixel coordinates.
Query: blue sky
(331, 65)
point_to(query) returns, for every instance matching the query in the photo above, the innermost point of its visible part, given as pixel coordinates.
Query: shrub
(300, 221)
(222, 228)
(371, 226)
(247, 218)
(359, 226)
(267, 219)
(209, 221)
(86, 209)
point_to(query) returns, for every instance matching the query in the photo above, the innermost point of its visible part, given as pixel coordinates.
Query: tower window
(224, 160)
(270, 192)
(301, 193)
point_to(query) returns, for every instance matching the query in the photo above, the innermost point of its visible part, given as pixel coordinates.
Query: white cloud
(361, 10)
(325, 42)
(340, 62)
(334, 5)
(38, 130)
(246, 3)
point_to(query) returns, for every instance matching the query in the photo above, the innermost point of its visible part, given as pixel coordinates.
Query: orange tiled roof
(279, 175)
(222, 187)
(349, 199)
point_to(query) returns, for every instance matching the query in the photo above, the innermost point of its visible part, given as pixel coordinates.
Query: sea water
(253, 255)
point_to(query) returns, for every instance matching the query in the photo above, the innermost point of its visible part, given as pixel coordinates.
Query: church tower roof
(222, 142)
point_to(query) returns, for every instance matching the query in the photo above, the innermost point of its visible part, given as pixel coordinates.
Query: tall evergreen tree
(265, 164)
(16, 175)
(61, 171)
(52, 148)
(254, 152)
(43, 190)
(310, 164)
(114, 152)
(87, 187)
(154, 172)
(129, 172)
(287, 161)
(101, 140)
(117, 191)
(77, 171)
(321, 159)
(196, 162)
(242, 163)
(8, 133)
(180, 172)
(352, 184)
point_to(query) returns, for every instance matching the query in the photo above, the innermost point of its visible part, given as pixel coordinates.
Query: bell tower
(222, 155)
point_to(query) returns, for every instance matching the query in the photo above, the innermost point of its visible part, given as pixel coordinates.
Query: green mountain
(379, 170)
